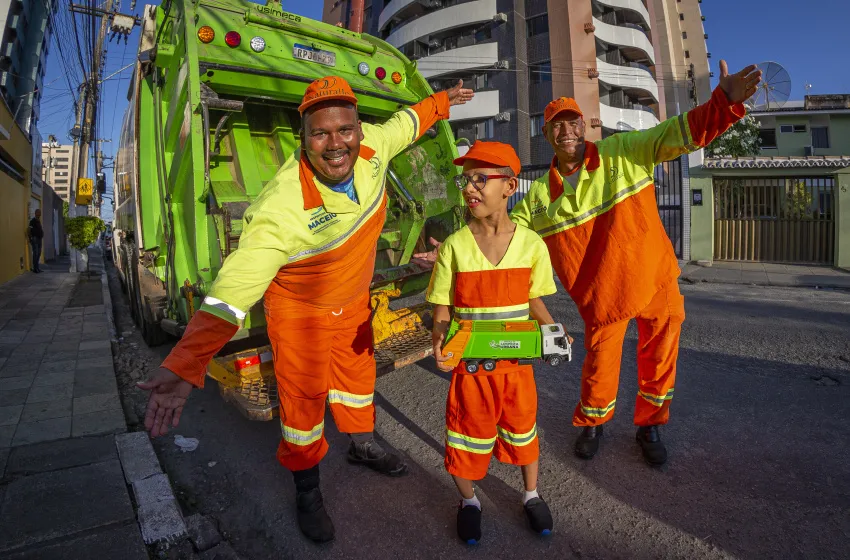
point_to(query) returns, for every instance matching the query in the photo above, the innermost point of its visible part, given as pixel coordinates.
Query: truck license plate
(303, 52)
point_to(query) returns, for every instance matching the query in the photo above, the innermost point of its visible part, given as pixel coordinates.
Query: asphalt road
(758, 441)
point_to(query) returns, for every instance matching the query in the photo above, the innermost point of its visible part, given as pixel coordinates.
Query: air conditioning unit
(504, 116)
(809, 151)
(502, 65)
(435, 43)
(500, 18)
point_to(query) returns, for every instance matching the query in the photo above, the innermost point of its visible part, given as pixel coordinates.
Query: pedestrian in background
(36, 234)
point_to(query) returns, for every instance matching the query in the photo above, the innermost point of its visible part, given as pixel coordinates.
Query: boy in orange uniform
(491, 269)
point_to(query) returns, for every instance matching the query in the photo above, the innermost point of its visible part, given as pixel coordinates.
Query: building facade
(628, 63)
(15, 193)
(24, 46)
(817, 126)
(56, 171)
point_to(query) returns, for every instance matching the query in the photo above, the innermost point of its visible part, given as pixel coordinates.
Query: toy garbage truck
(483, 343)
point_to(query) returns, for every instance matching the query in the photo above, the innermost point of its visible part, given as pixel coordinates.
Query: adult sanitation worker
(597, 213)
(315, 281)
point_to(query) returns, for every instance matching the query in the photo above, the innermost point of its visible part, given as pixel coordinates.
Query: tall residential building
(24, 45)
(56, 171)
(628, 63)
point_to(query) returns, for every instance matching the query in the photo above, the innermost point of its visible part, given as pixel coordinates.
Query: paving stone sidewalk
(767, 274)
(63, 492)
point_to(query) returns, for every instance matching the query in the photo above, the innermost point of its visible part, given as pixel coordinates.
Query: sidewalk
(64, 475)
(766, 274)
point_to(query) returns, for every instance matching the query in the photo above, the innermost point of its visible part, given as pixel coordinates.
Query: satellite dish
(774, 89)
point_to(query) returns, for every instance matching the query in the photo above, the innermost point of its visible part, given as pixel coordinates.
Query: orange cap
(327, 89)
(496, 154)
(561, 105)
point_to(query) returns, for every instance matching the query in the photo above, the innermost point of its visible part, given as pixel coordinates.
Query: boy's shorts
(487, 414)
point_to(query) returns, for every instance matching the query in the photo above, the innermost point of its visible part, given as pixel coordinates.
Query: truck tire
(555, 361)
(131, 273)
(489, 365)
(152, 333)
(471, 367)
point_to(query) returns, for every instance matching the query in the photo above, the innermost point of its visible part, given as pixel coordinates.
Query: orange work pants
(659, 327)
(487, 414)
(318, 357)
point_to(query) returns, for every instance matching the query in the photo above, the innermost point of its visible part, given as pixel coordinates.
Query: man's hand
(437, 340)
(168, 395)
(427, 259)
(741, 86)
(458, 95)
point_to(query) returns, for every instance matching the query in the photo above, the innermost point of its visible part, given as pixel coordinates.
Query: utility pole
(76, 134)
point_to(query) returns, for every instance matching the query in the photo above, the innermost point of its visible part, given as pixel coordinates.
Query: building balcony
(619, 119)
(633, 5)
(455, 60)
(401, 9)
(627, 77)
(624, 37)
(484, 106)
(460, 15)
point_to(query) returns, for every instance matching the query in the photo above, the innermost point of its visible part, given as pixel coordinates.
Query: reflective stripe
(598, 209)
(412, 115)
(350, 399)
(517, 440)
(225, 307)
(687, 142)
(302, 437)
(471, 314)
(471, 444)
(657, 400)
(598, 412)
(342, 238)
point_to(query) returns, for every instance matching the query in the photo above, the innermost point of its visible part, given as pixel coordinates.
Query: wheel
(489, 365)
(471, 367)
(152, 333)
(554, 361)
(133, 288)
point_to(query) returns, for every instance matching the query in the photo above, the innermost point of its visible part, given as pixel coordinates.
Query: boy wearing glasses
(491, 269)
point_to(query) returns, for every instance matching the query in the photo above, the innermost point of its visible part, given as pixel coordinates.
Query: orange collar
(556, 182)
(312, 196)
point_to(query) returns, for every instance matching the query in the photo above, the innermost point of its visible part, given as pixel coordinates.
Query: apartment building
(629, 63)
(817, 126)
(56, 171)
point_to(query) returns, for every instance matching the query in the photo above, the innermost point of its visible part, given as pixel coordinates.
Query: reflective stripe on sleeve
(598, 412)
(471, 444)
(223, 310)
(517, 440)
(657, 400)
(302, 437)
(350, 399)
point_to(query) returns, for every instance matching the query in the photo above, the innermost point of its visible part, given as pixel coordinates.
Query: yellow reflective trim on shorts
(302, 437)
(469, 443)
(657, 400)
(350, 399)
(598, 412)
(517, 440)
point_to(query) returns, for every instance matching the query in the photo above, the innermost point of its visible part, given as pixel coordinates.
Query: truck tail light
(232, 39)
(396, 78)
(206, 34)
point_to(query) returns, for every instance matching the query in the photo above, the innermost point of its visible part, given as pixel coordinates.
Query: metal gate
(668, 196)
(774, 219)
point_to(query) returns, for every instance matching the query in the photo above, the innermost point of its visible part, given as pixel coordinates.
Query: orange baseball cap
(496, 154)
(327, 89)
(560, 105)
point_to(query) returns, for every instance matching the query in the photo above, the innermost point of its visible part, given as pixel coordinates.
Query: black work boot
(539, 516)
(653, 448)
(468, 523)
(373, 456)
(587, 443)
(312, 517)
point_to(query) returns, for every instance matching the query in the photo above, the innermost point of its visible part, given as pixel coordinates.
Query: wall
(702, 219)
(842, 219)
(794, 143)
(50, 202)
(14, 198)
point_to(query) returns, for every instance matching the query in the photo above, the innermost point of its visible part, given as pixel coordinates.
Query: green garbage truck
(212, 116)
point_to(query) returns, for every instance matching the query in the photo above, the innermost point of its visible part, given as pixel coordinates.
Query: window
(792, 128)
(687, 54)
(684, 34)
(61, 181)
(540, 73)
(768, 138)
(538, 25)
(61, 167)
(484, 34)
(681, 17)
(62, 151)
(536, 125)
(799, 128)
(820, 137)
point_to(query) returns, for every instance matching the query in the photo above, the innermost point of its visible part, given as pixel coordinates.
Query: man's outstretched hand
(427, 259)
(165, 405)
(741, 86)
(458, 95)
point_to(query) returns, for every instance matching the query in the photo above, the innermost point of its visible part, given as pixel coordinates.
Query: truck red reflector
(380, 73)
(232, 39)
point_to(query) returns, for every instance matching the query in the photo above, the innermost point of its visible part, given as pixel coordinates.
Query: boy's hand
(437, 340)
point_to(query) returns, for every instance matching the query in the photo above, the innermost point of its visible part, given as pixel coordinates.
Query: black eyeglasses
(478, 180)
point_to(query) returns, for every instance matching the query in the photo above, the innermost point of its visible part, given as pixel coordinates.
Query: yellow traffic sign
(84, 191)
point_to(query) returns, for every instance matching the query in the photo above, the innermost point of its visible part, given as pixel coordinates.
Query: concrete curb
(159, 516)
(107, 306)
(779, 284)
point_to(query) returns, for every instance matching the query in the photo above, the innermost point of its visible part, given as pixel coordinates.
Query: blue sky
(789, 32)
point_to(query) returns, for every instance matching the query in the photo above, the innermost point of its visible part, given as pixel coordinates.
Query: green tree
(83, 231)
(741, 140)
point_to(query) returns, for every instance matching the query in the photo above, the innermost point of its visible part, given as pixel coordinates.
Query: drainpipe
(356, 22)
